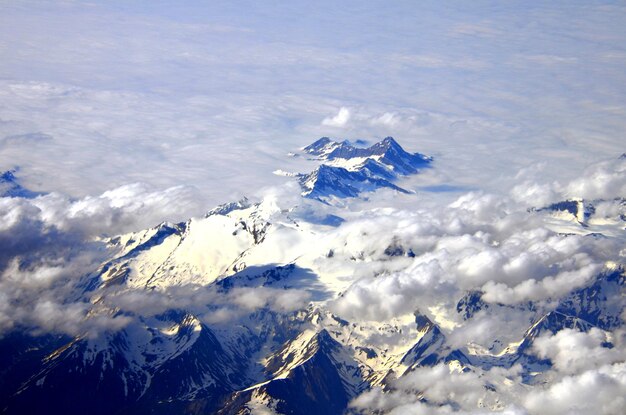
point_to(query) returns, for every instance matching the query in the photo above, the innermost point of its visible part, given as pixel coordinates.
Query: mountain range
(347, 171)
(235, 312)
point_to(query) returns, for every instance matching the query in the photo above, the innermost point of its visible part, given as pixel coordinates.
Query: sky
(211, 96)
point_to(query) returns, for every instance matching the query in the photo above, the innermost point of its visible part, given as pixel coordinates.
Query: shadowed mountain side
(348, 171)
(287, 277)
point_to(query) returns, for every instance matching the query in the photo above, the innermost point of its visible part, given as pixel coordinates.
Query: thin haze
(96, 95)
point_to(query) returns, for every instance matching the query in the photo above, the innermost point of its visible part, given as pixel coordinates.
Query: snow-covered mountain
(257, 307)
(386, 152)
(347, 171)
(328, 181)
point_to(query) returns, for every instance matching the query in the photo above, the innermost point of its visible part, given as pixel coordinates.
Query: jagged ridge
(349, 170)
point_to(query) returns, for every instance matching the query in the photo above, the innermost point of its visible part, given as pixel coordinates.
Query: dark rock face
(120, 374)
(323, 382)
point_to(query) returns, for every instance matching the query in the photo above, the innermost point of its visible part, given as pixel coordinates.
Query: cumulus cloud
(212, 305)
(123, 209)
(598, 391)
(492, 329)
(44, 298)
(443, 390)
(533, 194)
(572, 351)
(609, 209)
(479, 242)
(340, 120)
(388, 119)
(604, 180)
(51, 244)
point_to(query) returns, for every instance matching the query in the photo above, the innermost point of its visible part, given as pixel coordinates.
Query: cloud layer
(207, 94)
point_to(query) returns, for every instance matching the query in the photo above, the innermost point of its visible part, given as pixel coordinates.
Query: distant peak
(388, 143)
(390, 140)
(321, 147)
(352, 170)
(8, 176)
(323, 140)
(325, 167)
(318, 144)
(226, 208)
(10, 186)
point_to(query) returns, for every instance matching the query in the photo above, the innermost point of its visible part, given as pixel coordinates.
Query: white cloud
(572, 351)
(388, 119)
(183, 99)
(534, 194)
(442, 390)
(50, 244)
(601, 391)
(340, 120)
(479, 242)
(604, 180)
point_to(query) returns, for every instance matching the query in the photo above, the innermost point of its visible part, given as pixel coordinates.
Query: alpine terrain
(316, 307)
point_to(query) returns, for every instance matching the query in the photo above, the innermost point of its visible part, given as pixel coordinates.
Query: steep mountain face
(197, 251)
(21, 355)
(82, 376)
(430, 342)
(160, 366)
(348, 171)
(311, 374)
(321, 147)
(601, 303)
(327, 181)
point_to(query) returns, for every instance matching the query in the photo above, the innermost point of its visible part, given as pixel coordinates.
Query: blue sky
(214, 94)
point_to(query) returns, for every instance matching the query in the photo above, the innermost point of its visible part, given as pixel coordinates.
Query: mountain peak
(321, 147)
(390, 142)
(329, 181)
(352, 170)
(10, 186)
(8, 176)
(226, 208)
